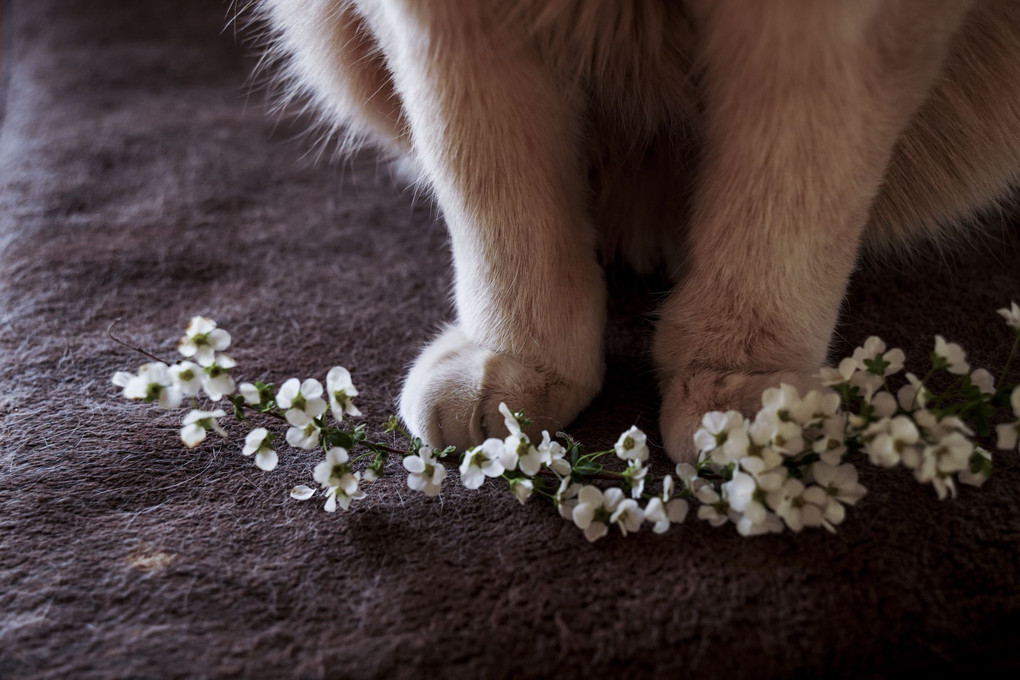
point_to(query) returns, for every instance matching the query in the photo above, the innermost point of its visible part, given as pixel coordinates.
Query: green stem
(1009, 361)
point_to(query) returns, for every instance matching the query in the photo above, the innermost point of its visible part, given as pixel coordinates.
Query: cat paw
(453, 391)
(687, 396)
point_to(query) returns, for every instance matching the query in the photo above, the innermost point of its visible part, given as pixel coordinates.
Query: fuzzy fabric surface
(139, 182)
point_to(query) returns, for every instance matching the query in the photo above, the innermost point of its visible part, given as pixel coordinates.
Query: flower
(913, 395)
(565, 498)
(249, 393)
(950, 356)
(714, 509)
(187, 376)
(196, 423)
(522, 488)
(426, 473)
(664, 510)
(594, 510)
(635, 476)
(303, 432)
(799, 505)
(632, 445)
(831, 377)
(745, 498)
(838, 481)
(979, 469)
(886, 440)
(554, 455)
(722, 437)
(481, 462)
(983, 380)
(874, 359)
(260, 442)
(341, 484)
(301, 400)
(152, 384)
(1012, 315)
(340, 390)
(202, 340)
(217, 381)
(627, 515)
(518, 449)
(1008, 433)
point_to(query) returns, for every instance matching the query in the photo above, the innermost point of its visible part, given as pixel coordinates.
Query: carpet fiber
(137, 181)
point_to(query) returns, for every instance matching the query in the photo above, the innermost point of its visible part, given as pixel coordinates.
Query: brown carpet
(138, 181)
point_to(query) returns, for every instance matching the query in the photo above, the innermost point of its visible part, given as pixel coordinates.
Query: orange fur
(749, 149)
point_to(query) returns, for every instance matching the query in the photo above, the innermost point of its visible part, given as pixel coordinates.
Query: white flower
(627, 515)
(426, 473)
(303, 432)
(664, 510)
(196, 423)
(301, 400)
(594, 510)
(830, 444)
(522, 489)
(814, 408)
(341, 390)
(121, 378)
(336, 477)
(565, 498)
(202, 340)
(1009, 433)
(983, 380)
(942, 460)
(831, 377)
(1012, 315)
(980, 466)
(722, 437)
(838, 481)
(302, 492)
(187, 376)
(799, 506)
(952, 356)
(635, 474)
(688, 476)
(153, 383)
(886, 440)
(873, 358)
(481, 462)
(554, 455)
(744, 497)
(249, 393)
(632, 445)
(884, 403)
(260, 442)
(713, 508)
(217, 381)
(913, 395)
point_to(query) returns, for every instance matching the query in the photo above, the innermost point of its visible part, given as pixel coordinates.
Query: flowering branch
(785, 468)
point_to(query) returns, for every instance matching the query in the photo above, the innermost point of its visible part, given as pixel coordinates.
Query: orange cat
(749, 148)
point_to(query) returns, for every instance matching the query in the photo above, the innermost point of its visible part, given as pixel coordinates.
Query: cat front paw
(453, 392)
(688, 395)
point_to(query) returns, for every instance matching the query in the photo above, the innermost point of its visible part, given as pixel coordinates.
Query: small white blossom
(481, 462)
(977, 471)
(202, 340)
(722, 437)
(152, 384)
(913, 395)
(426, 473)
(839, 482)
(249, 393)
(594, 510)
(341, 390)
(831, 377)
(713, 508)
(627, 515)
(873, 356)
(187, 376)
(554, 455)
(983, 380)
(303, 432)
(886, 440)
(799, 505)
(341, 484)
(664, 510)
(632, 445)
(1012, 315)
(565, 498)
(522, 489)
(217, 381)
(260, 443)
(301, 400)
(1009, 433)
(635, 474)
(196, 423)
(952, 354)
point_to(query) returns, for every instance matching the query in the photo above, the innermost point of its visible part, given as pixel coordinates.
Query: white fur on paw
(453, 391)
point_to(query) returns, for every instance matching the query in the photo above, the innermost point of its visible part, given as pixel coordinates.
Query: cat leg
(804, 102)
(497, 135)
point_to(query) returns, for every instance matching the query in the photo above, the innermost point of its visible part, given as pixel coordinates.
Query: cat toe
(454, 389)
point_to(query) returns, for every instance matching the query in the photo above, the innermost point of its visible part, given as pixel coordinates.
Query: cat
(749, 150)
